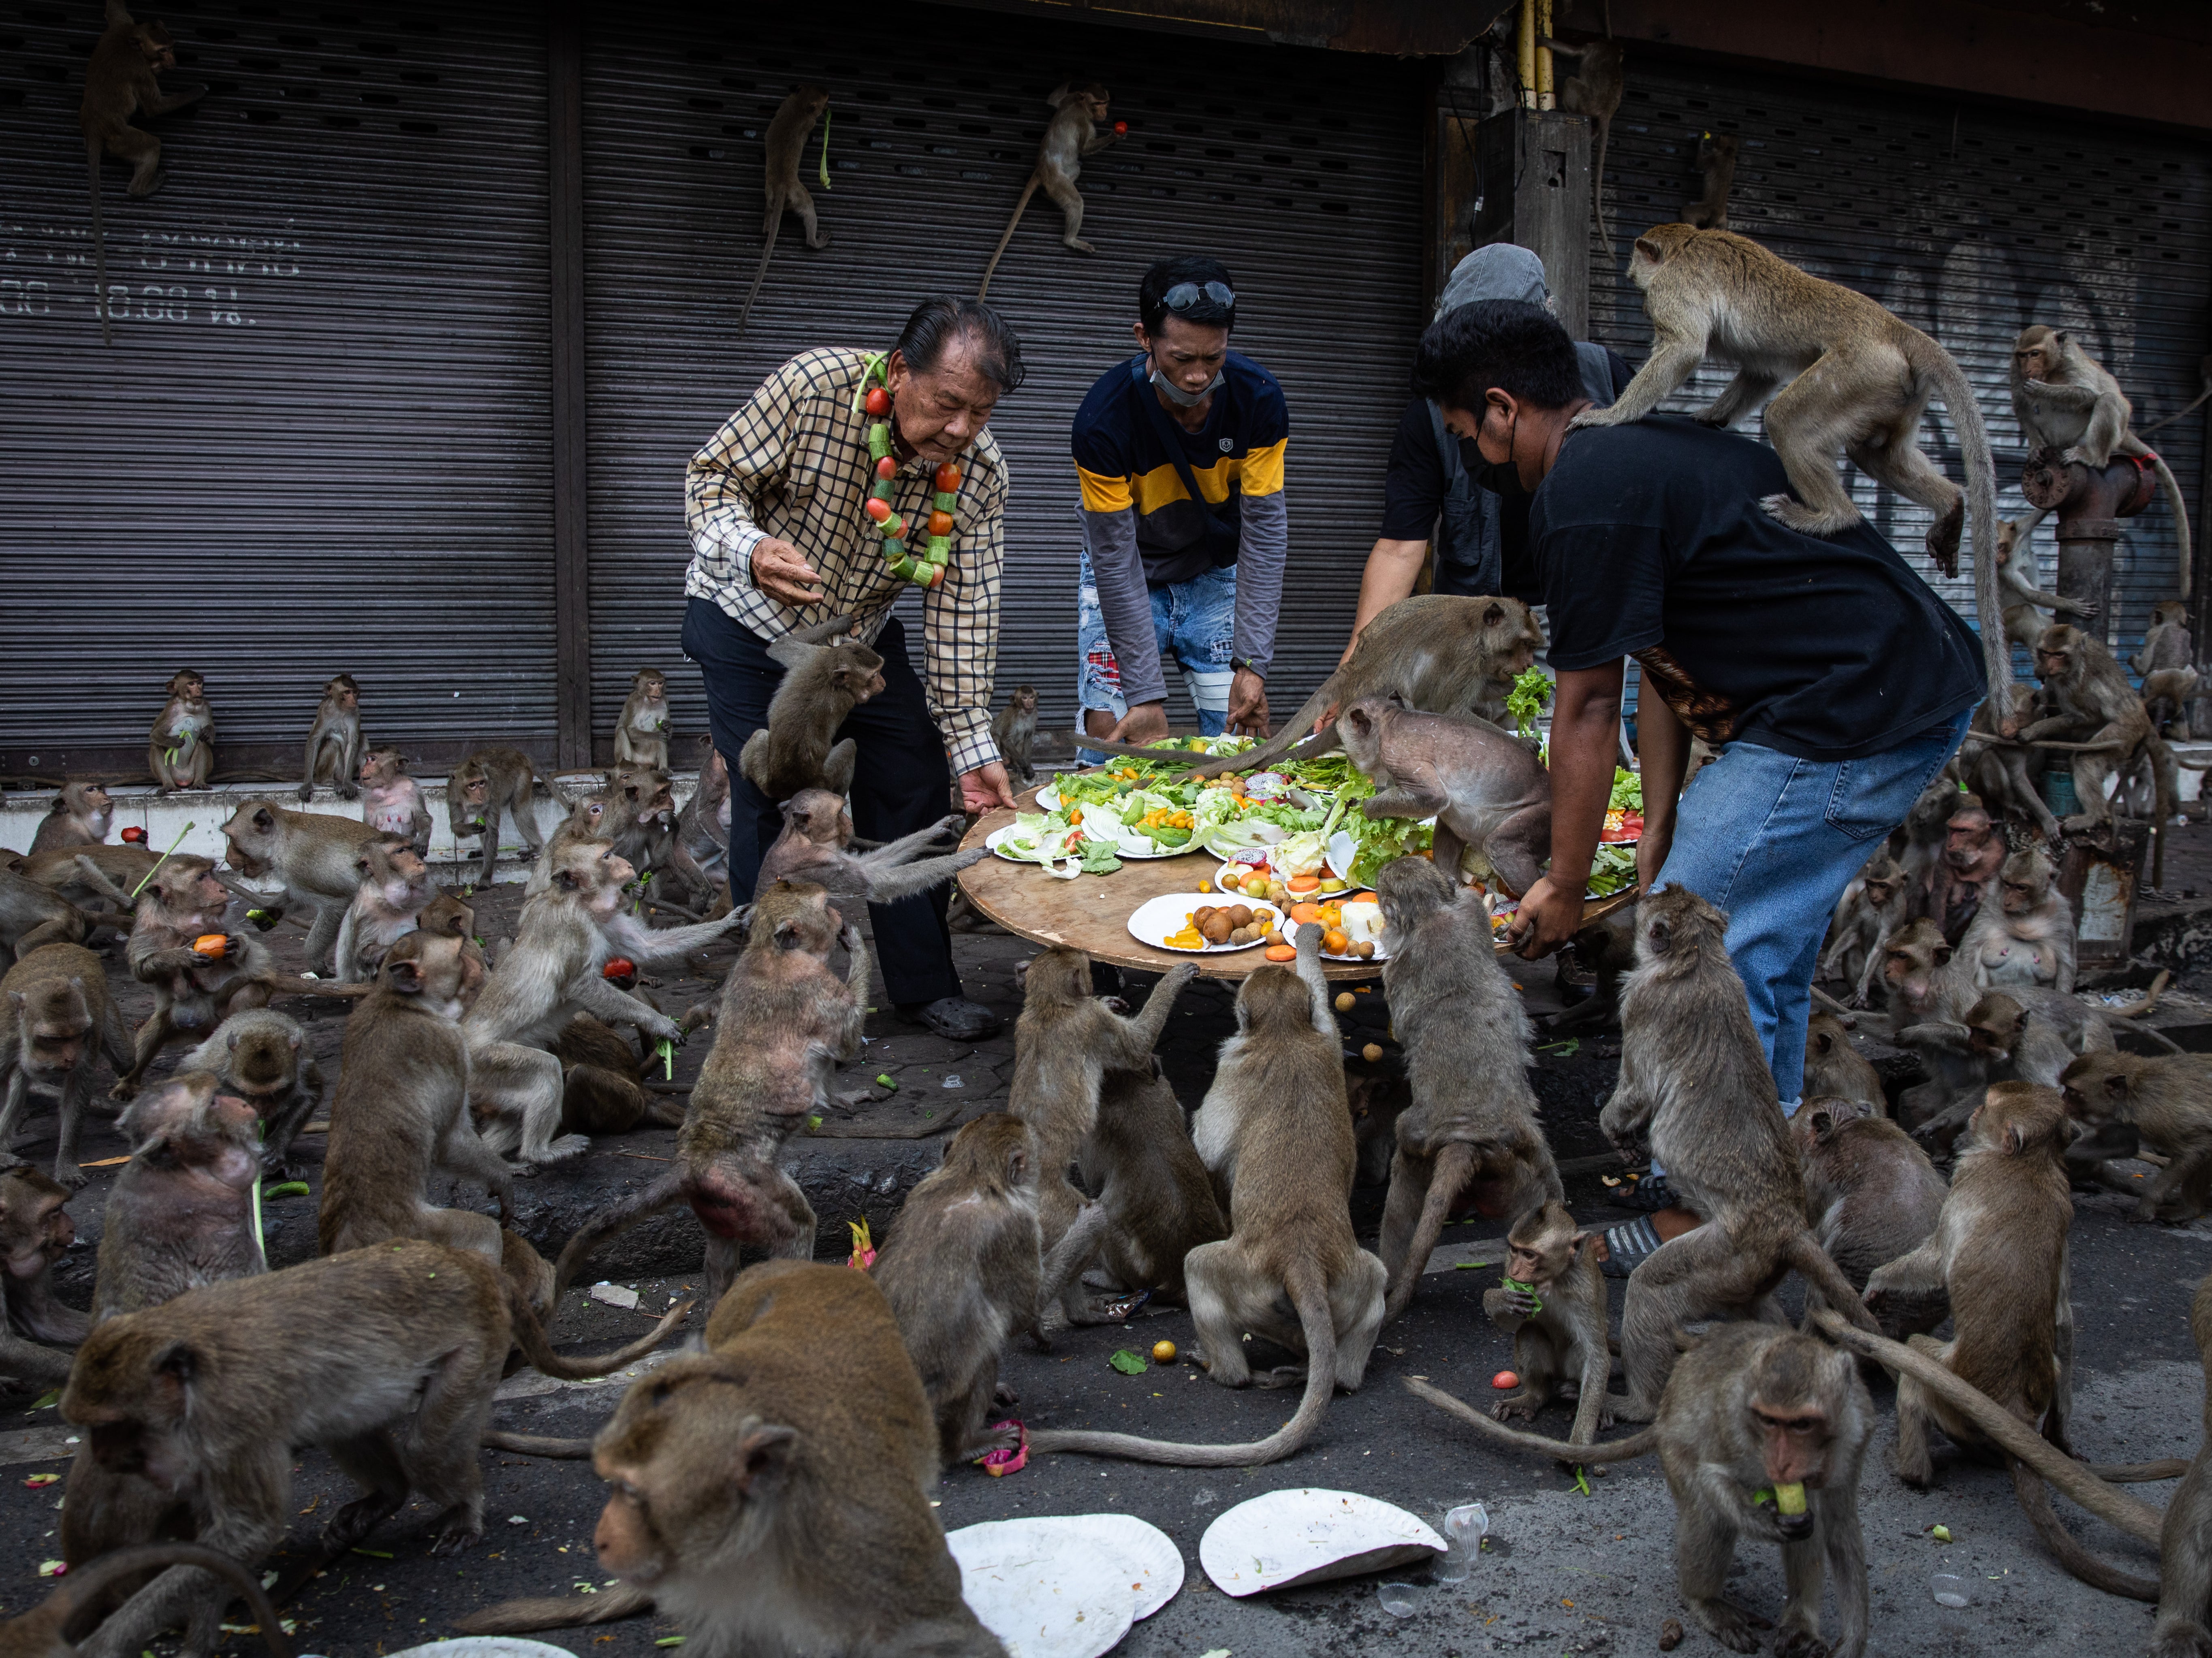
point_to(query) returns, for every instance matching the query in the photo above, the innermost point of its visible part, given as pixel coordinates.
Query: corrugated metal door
(1969, 223)
(321, 443)
(1301, 170)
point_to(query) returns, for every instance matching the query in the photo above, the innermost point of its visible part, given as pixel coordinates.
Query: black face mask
(1501, 477)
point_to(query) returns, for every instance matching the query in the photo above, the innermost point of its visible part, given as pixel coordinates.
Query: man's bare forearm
(1585, 724)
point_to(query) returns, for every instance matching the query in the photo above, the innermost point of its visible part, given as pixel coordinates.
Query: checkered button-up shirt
(793, 464)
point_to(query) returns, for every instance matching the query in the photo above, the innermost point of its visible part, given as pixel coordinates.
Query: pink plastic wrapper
(1000, 1463)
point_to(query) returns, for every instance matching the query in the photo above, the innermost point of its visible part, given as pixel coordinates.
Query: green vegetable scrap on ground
(1128, 1364)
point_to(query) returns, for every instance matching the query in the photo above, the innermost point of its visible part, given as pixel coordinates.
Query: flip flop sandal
(1651, 1194)
(1628, 1246)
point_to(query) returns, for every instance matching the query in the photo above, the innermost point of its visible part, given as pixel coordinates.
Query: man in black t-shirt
(1833, 680)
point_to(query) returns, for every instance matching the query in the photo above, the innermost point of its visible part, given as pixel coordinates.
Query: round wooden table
(1090, 912)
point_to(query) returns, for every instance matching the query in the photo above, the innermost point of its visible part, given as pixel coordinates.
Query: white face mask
(1183, 399)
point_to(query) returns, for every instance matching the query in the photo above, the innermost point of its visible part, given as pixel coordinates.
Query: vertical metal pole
(572, 564)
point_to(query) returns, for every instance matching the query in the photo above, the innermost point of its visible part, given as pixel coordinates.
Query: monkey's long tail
(615, 1218)
(2066, 1549)
(92, 149)
(767, 252)
(2074, 1480)
(563, 1450)
(1942, 370)
(1310, 1296)
(1455, 1166)
(2173, 490)
(69, 1604)
(1618, 1450)
(1804, 1252)
(1028, 190)
(530, 1336)
(557, 1611)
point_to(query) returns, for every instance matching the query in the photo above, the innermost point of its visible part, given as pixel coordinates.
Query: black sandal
(1651, 1194)
(1628, 1246)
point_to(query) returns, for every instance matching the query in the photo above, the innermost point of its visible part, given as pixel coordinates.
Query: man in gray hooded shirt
(1432, 491)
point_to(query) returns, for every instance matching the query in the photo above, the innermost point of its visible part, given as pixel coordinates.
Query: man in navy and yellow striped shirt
(1179, 451)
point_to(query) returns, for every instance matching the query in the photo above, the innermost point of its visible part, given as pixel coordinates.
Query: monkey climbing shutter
(321, 443)
(1969, 222)
(1299, 169)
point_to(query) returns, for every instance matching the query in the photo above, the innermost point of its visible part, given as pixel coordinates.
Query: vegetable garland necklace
(926, 569)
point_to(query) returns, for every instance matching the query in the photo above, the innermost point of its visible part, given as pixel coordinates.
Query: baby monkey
(1554, 1304)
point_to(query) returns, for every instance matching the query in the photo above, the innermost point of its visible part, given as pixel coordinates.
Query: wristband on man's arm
(1245, 664)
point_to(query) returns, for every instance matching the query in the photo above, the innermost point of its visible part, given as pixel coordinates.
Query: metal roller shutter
(1969, 222)
(321, 443)
(1301, 170)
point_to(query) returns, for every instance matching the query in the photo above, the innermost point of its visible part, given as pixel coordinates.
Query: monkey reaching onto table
(641, 732)
(180, 750)
(2165, 1101)
(395, 886)
(825, 677)
(1472, 1126)
(81, 813)
(35, 1232)
(334, 741)
(123, 80)
(2094, 713)
(1762, 1432)
(1710, 292)
(2065, 400)
(786, 1023)
(1013, 728)
(785, 142)
(749, 1478)
(1872, 1195)
(262, 1057)
(818, 834)
(1694, 1083)
(1717, 153)
(1557, 1321)
(313, 854)
(1275, 1129)
(391, 801)
(1154, 1188)
(1078, 110)
(56, 1021)
(489, 782)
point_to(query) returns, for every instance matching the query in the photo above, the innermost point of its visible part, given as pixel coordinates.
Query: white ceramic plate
(1310, 1536)
(1045, 1595)
(1152, 921)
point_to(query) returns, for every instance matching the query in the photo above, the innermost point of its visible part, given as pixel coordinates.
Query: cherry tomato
(948, 477)
(940, 524)
(1120, 129)
(879, 403)
(878, 510)
(886, 468)
(135, 835)
(619, 967)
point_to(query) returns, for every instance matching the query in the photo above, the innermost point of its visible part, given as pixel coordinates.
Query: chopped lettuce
(1530, 692)
(1627, 790)
(1383, 841)
(1301, 854)
(1613, 868)
(1099, 858)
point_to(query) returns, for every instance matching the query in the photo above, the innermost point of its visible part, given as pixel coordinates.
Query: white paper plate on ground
(1152, 921)
(1146, 1556)
(1310, 1536)
(1046, 1594)
(486, 1646)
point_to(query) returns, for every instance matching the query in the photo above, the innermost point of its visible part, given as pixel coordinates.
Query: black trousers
(902, 782)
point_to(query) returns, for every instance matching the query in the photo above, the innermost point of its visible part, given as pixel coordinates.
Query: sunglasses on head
(1183, 295)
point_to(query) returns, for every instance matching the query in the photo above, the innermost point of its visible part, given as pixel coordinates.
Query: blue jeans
(1194, 624)
(1773, 840)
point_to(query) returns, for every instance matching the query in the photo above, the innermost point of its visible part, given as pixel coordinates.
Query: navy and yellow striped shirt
(1142, 530)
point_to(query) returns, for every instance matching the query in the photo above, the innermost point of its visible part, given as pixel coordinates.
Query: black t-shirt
(1653, 544)
(1414, 492)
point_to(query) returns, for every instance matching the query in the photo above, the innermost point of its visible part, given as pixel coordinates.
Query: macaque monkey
(785, 1024)
(192, 994)
(2093, 712)
(1013, 728)
(391, 801)
(56, 1021)
(1695, 1084)
(47, 1630)
(35, 1232)
(34, 914)
(1556, 1321)
(1835, 1069)
(387, 1355)
(1996, 770)
(395, 885)
(641, 734)
(1437, 652)
(1717, 165)
(1064, 1042)
(1918, 844)
(2000, 1250)
(334, 741)
(1973, 852)
(703, 826)
(1275, 1129)
(1996, 1039)
(1871, 1195)
(123, 80)
(315, 854)
(487, 783)
(1489, 794)
(180, 1213)
(1872, 905)
(602, 1082)
(180, 751)
(2166, 663)
(82, 814)
(2023, 600)
(747, 1479)
(786, 143)
(1709, 292)
(2166, 1101)
(822, 682)
(92, 877)
(814, 846)
(1078, 129)
(1606, 947)
(1472, 1127)
(1595, 93)
(262, 1057)
(1151, 1181)
(2027, 937)
(2065, 400)
(1762, 1432)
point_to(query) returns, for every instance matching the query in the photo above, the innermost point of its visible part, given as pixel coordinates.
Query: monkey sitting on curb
(490, 782)
(1761, 1432)
(1554, 1307)
(181, 749)
(747, 1479)
(334, 741)
(392, 802)
(80, 816)
(641, 730)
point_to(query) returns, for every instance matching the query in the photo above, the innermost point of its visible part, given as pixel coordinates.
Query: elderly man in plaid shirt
(781, 540)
